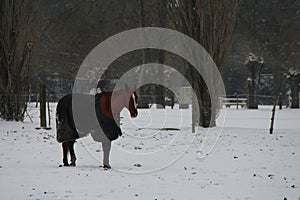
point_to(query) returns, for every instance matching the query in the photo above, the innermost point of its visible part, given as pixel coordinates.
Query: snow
(245, 162)
(253, 58)
(292, 72)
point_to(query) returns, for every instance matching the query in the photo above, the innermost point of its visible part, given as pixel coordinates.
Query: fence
(235, 101)
(240, 100)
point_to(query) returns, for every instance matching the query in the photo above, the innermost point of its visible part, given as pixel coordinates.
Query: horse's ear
(129, 89)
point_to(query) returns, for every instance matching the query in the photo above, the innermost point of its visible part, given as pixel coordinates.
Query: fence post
(29, 94)
(280, 101)
(237, 101)
(193, 112)
(43, 105)
(48, 107)
(273, 115)
(37, 100)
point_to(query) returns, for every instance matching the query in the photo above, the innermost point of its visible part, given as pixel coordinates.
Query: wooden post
(29, 94)
(37, 100)
(49, 111)
(237, 101)
(43, 122)
(280, 101)
(273, 115)
(194, 112)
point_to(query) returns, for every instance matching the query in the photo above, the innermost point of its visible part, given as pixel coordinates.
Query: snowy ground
(150, 163)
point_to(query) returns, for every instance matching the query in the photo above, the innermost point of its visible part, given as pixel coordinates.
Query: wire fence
(167, 100)
(241, 100)
(236, 101)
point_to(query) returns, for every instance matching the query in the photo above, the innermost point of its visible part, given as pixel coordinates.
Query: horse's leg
(65, 153)
(72, 153)
(106, 150)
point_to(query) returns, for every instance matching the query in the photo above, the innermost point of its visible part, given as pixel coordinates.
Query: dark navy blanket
(101, 127)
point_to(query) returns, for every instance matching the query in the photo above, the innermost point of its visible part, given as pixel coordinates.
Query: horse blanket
(101, 127)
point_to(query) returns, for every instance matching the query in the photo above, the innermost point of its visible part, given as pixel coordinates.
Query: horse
(107, 105)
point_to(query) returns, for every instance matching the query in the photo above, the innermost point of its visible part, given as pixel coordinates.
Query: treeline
(50, 38)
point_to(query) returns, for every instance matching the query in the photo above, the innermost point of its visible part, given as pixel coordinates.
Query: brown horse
(108, 105)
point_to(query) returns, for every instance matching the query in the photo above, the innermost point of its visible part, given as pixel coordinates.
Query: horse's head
(132, 107)
(124, 98)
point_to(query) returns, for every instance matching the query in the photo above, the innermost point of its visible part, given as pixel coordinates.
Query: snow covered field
(239, 160)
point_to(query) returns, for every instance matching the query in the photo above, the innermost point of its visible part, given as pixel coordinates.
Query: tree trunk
(295, 92)
(43, 121)
(143, 99)
(13, 106)
(160, 91)
(255, 66)
(17, 37)
(207, 117)
(210, 23)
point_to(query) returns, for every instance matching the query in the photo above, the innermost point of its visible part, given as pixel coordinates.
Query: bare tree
(293, 79)
(270, 29)
(283, 48)
(209, 22)
(20, 31)
(152, 13)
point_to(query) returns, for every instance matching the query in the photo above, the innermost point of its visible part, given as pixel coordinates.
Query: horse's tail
(58, 119)
(65, 126)
(62, 110)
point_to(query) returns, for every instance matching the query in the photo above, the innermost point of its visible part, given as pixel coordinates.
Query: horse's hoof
(66, 164)
(73, 161)
(107, 167)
